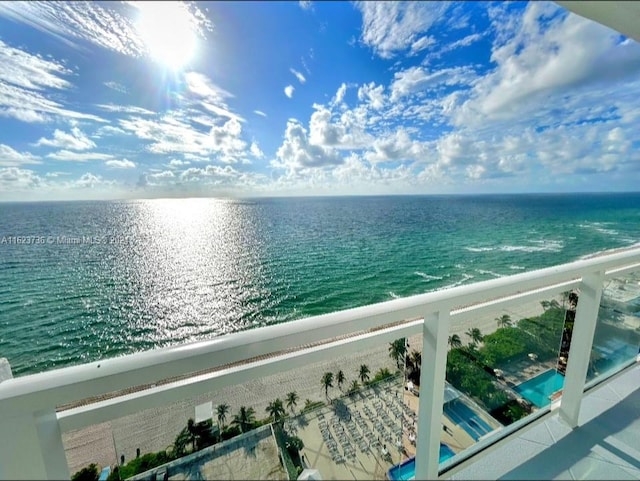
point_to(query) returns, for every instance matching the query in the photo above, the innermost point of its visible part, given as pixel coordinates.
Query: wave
(465, 278)
(427, 277)
(491, 273)
(597, 226)
(393, 295)
(542, 245)
(517, 268)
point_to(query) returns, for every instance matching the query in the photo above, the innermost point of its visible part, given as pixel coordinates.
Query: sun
(168, 31)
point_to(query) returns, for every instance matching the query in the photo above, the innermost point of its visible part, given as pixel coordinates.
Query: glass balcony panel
(348, 428)
(502, 367)
(617, 336)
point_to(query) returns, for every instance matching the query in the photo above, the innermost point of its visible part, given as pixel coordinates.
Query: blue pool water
(407, 469)
(463, 416)
(538, 389)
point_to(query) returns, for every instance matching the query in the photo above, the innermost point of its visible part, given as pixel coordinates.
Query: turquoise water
(101, 279)
(407, 469)
(538, 389)
(463, 416)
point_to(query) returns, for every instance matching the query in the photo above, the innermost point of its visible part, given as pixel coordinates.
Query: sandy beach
(156, 429)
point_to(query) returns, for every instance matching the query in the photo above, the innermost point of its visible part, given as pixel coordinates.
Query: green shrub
(230, 432)
(89, 473)
(114, 475)
(144, 463)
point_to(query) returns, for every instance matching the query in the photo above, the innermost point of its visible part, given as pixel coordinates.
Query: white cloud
(396, 147)
(222, 112)
(255, 151)
(172, 135)
(22, 69)
(340, 93)
(165, 175)
(23, 80)
(392, 27)
(201, 85)
(76, 140)
(127, 109)
(305, 4)
(417, 79)
(68, 156)
(107, 25)
(12, 158)
(346, 133)
(108, 130)
(372, 95)
(89, 181)
(32, 106)
(422, 43)
(288, 90)
(543, 54)
(120, 164)
(177, 163)
(297, 153)
(116, 86)
(15, 179)
(301, 78)
(260, 113)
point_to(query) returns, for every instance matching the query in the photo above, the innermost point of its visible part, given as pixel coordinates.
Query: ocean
(82, 281)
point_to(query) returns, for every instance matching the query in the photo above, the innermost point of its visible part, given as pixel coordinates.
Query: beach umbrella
(310, 474)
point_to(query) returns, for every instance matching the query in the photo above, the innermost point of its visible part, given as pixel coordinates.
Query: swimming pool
(407, 469)
(467, 419)
(539, 388)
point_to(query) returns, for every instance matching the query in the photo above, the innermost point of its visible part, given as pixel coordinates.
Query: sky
(110, 100)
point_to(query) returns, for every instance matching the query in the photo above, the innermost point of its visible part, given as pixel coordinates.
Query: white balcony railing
(31, 426)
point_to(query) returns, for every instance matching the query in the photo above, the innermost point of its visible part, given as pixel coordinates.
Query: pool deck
(518, 372)
(371, 465)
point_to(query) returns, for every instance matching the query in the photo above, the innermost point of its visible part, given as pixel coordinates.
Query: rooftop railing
(33, 421)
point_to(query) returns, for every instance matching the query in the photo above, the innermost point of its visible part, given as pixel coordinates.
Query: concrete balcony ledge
(606, 445)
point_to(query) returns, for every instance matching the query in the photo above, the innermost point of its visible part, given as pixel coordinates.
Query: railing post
(5, 369)
(31, 447)
(580, 350)
(432, 376)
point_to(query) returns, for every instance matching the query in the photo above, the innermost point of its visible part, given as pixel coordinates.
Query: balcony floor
(605, 446)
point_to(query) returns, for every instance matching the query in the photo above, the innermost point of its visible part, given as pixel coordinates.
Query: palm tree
(504, 320)
(180, 444)
(340, 379)
(415, 359)
(364, 373)
(223, 410)
(397, 350)
(414, 364)
(276, 410)
(191, 429)
(327, 382)
(245, 418)
(475, 334)
(292, 400)
(455, 341)
(354, 387)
